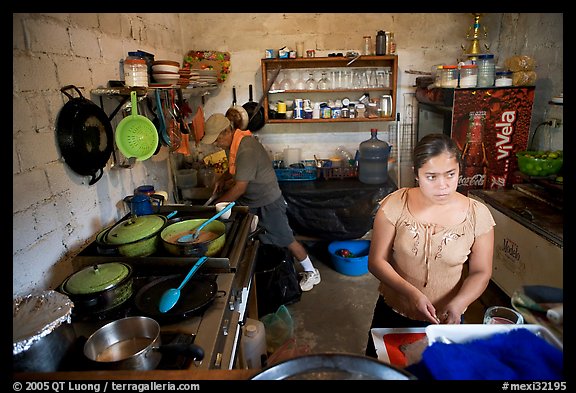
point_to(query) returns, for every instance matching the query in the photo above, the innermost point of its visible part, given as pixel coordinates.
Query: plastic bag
(520, 63)
(279, 328)
(288, 350)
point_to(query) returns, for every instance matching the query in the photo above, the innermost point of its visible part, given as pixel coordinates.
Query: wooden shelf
(272, 67)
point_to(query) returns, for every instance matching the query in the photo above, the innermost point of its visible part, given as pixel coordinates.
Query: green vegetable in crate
(344, 253)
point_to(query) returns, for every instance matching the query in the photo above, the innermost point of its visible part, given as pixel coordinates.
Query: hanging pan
(255, 112)
(84, 135)
(136, 135)
(237, 114)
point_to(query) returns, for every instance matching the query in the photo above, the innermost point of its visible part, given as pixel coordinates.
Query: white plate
(463, 333)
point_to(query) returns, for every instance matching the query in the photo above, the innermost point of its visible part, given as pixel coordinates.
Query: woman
(421, 239)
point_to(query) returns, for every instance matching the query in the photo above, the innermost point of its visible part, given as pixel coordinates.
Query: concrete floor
(335, 315)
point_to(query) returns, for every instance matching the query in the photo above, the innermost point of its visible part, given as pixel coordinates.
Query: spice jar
(503, 78)
(486, 70)
(468, 75)
(135, 72)
(449, 77)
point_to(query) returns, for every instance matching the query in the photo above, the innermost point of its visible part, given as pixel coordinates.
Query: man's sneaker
(309, 279)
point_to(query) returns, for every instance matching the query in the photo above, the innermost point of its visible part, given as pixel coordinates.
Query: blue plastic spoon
(171, 296)
(194, 235)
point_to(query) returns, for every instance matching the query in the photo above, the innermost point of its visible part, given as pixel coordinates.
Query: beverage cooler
(489, 125)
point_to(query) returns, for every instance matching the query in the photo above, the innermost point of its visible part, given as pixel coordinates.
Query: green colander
(136, 136)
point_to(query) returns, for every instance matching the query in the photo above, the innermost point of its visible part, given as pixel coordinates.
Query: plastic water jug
(253, 343)
(373, 160)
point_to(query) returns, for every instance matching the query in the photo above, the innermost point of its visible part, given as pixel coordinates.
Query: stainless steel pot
(133, 343)
(333, 366)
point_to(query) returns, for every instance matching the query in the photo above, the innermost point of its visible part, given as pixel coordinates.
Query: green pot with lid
(136, 236)
(99, 287)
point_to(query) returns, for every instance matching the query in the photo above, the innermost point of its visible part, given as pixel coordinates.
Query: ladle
(171, 296)
(194, 235)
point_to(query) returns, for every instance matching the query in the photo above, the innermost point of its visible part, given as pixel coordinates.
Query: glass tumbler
(499, 315)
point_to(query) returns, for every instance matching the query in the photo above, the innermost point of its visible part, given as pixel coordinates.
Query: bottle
(253, 343)
(380, 43)
(373, 160)
(474, 161)
(367, 46)
(486, 70)
(391, 43)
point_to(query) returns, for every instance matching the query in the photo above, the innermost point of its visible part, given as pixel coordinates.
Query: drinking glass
(324, 82)
(300, 83)
(311, 82)
(286, 82)
(502, 315)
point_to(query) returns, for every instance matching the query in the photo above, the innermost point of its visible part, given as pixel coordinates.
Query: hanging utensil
(194, 235)
(171, 296)
(162, 131)
(237, 114)
(136, 136)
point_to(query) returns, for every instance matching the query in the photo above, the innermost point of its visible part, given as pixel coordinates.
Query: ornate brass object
(475, 33)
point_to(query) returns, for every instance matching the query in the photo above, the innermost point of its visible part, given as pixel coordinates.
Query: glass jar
(367, 46)
(135, 72)
(486, 70)
(503, 78)
(468, 75)
(449, 77)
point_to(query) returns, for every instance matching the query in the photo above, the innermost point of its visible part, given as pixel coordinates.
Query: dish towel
(515, 355)
(198, 125)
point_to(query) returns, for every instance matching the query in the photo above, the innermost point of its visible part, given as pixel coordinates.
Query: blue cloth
(515, 355)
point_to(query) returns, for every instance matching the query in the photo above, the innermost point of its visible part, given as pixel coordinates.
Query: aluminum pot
(133, 343)
(99, 288)
(42, 332)
(171, 233)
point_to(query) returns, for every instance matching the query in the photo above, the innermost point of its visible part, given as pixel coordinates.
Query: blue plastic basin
(356, 266)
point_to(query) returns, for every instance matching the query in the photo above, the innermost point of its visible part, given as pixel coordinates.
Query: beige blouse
(431, 259)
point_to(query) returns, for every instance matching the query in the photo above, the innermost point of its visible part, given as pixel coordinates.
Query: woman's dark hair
(432, 145)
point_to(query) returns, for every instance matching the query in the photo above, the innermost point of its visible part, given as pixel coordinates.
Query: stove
(215, 327)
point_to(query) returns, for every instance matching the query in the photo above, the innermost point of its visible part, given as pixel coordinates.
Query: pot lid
(96, 278)
(135, 228)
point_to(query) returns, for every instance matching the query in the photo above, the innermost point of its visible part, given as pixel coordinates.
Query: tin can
(269, 53)
(310, 53)
(298, 113)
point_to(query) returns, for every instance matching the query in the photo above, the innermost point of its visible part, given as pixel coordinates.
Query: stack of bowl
(166, 72)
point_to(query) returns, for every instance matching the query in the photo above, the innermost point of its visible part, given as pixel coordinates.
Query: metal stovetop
(215, 328)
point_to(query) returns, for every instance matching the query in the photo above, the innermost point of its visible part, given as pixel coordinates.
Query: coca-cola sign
(505, 131)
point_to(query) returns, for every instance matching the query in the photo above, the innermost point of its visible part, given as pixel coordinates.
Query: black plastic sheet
(339, 209)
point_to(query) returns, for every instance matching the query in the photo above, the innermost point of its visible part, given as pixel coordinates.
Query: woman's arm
(417, 305)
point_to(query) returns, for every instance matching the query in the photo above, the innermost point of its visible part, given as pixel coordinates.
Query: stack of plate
(206, 77)
(166, 72)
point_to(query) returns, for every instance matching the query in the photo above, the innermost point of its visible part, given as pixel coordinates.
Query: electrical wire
(534, 134)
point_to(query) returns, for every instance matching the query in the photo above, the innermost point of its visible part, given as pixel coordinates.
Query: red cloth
(198, 124)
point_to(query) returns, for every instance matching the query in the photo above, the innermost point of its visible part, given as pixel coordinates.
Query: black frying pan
(84, 135)
(195, 296)
(255, 113)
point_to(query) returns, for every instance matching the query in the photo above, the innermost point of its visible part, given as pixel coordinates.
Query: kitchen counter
(159, 375)
(335, 209)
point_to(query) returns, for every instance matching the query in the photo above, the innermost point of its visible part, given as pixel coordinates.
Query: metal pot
(333, 366)
(171, 233)
(133, 343)
(42, 333)
(99, 288)
(84, 135)
(136, 236)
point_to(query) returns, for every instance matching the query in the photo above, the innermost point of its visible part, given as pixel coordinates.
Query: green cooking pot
(171, 233)
(136, 236)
